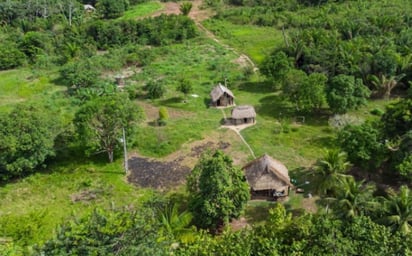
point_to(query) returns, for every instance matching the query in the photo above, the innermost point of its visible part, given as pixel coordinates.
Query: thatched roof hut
(221, 96)
(268, 174)
(243, 114)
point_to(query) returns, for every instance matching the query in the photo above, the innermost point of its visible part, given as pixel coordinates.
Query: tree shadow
(275, 106)
(171, 102)
(258, 213)
(256, 87)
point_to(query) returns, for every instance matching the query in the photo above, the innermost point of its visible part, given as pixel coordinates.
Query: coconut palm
(354, 198)
(398, 210)
(330, 171)
(175, 224)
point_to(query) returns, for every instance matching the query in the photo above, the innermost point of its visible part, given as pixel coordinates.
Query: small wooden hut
(243, 115)
(268, 177)
(222, 96)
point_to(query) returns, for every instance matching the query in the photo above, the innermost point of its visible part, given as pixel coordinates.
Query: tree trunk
(110, 154)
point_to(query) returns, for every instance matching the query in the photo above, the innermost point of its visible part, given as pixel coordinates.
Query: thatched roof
(266, 173)
(218, 91)
(244, 111)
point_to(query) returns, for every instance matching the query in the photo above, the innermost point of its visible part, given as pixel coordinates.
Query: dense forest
(82, 82)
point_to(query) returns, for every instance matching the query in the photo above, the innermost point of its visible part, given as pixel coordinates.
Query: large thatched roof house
(222, 96)
(268, 176)
(243, 115)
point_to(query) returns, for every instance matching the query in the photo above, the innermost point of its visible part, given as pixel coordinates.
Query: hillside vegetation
(330, 83)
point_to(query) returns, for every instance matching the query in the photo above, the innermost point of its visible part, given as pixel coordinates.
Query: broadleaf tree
(345, 93)
(100, 122)
(218, 190)
(27, 134)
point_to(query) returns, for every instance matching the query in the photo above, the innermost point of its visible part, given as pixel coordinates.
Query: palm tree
(398, 209)
(185, 8)
(354, 198)
(175, 224)
(330, 171)
(385, 85)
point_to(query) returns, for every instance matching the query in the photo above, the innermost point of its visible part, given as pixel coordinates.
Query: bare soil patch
(197, 13)
(155, 174)
(171, 171)
(152, 112)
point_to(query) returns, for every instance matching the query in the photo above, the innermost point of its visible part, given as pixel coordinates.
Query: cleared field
(256, 42)
(141, 10)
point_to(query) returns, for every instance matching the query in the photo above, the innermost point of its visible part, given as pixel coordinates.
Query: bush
(10, 56)
(377, 112)
(155, 89)
(163, 116)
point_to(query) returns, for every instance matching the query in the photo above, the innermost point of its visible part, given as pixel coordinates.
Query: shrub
(163, 116)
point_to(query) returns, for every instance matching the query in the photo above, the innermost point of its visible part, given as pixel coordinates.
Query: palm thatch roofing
(266, 173)
(244, 111)
(220, 90)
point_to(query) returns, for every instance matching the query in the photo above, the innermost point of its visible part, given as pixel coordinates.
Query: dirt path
(198, 15)
(237, 130)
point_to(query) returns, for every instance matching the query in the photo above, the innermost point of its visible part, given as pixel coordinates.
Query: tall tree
(398, 210)
(218, 190)
(363, 144)
(27, 134)
(354, 198)
(345, 93)
(330, 172)
(100, 122)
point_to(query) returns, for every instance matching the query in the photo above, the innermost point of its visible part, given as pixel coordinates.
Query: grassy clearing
(21, 84)
(33, 207)
(141, 10)
(257, 42)
(204, 63)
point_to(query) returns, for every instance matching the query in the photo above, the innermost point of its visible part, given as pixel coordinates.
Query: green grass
(257, 42)
(47, 198)
(19, 85)
(204, 63)
(141, 10)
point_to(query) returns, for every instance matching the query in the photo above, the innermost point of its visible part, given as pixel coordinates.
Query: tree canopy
(27, 134)
(100, 122)
(218, 191)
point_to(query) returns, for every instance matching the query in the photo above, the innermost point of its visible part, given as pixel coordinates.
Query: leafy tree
(397, 119)
(34, 43)
(276, 66)
(111, 9)
(108, 232)
(27, 134)
(10, 56)
(81, 74)
(100, 122)
(185, 8)
(155, 89)
(363, 145)
(307, 92)
(345, 93)
(398, 210)
(330, 172)
(218, 190)
(185, 87)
